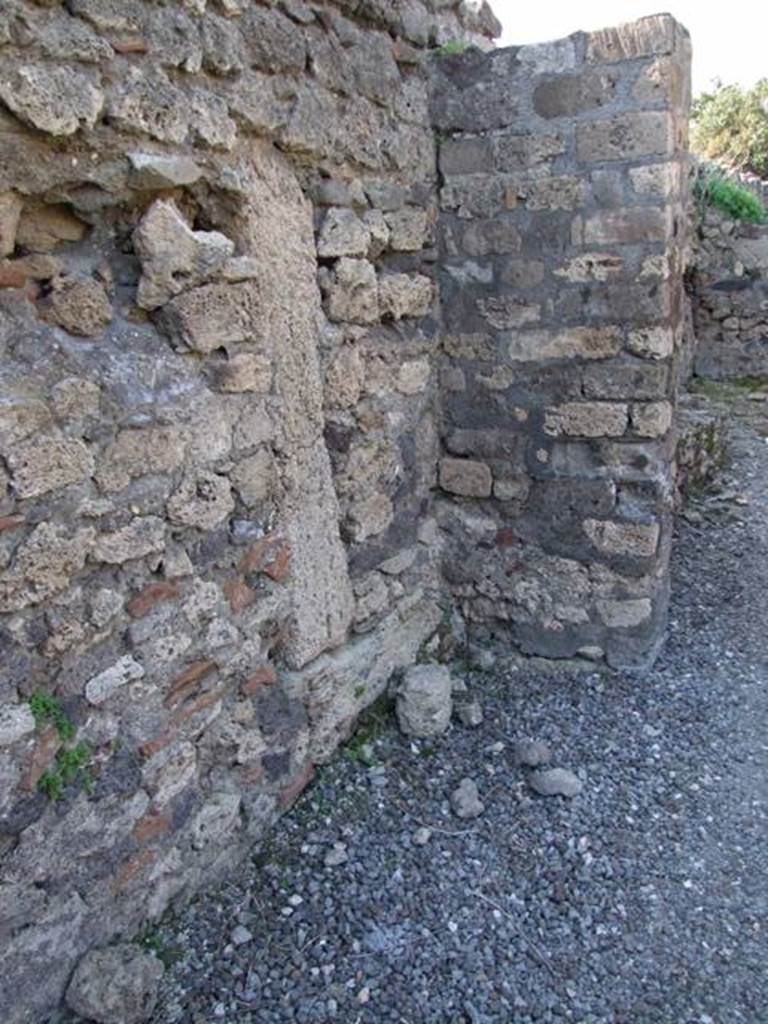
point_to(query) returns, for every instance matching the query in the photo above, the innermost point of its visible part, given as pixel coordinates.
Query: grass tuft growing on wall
(730, 198)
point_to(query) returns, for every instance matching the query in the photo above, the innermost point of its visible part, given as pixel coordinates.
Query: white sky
(729, 42)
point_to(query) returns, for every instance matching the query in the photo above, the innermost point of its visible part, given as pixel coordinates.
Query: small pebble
(532, 753)
(240, 935)
(336, 855)
(465, 800)
(422, 836)
(470, 714)
(555, 782)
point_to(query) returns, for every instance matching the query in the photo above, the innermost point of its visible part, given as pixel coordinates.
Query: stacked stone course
(562, 223)
(728, 288)
(277, 393)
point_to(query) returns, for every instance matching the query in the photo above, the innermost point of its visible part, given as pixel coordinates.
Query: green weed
(46, 709)
(70, 763)
(451, 48)
(734, 200)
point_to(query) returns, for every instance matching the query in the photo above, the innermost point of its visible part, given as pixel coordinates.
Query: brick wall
(563, 171)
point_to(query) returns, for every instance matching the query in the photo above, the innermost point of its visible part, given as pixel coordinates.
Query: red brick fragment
(46, 747)
(264, 675)
(278, 567)
(184, 685)
(239, 594)
(10, 522)
(299, 784)
(133, 867)
(150, 827)
(150, 747)
(270, 554)
(12, 275)
(506, 538)
(205, 700)
(151, 595)
(250, 774)
(134, 44)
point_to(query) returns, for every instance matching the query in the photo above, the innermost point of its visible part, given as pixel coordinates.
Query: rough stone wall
(728, 290)
(221, 415)
(562, 205)
(217, 433)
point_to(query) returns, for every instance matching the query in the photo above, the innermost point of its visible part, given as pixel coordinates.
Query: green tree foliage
(730, 125)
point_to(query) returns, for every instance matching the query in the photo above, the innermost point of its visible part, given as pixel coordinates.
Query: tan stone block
(38, 467)
(144, 535)
(656, 266)
(20, 418)
(253, 427)
(11, 206)
(591, 266)
(344, 379)
(627, 226)
(499, 380)
(652, 419)
(353, 292)
(512, 489)
(412, 376)
(662, 180)
(643, 38)
(584, 342)
(136, 453)
(587, 419)
(563, 192)
(254, 477)
(567, 95)
(74, 398)
(525, 151)
(504, 312)
(407, 229)
(625, 614)
(245, 371)
(370, 516)
(342, 234)
(662, 81)
(652, 342)
(44, 565)
(203, 500)
(42, 227)
(80, 305)
(626, 136)
(469, 346)
(173, 257)
(405, 295)
(465, 477)
(213, 316)
(619, 538)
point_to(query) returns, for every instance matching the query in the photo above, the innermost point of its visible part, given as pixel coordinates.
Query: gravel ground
(643, 900)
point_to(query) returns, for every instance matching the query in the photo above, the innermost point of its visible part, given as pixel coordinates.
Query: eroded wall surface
(217, 433)
(563, 170)
(231, 389)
